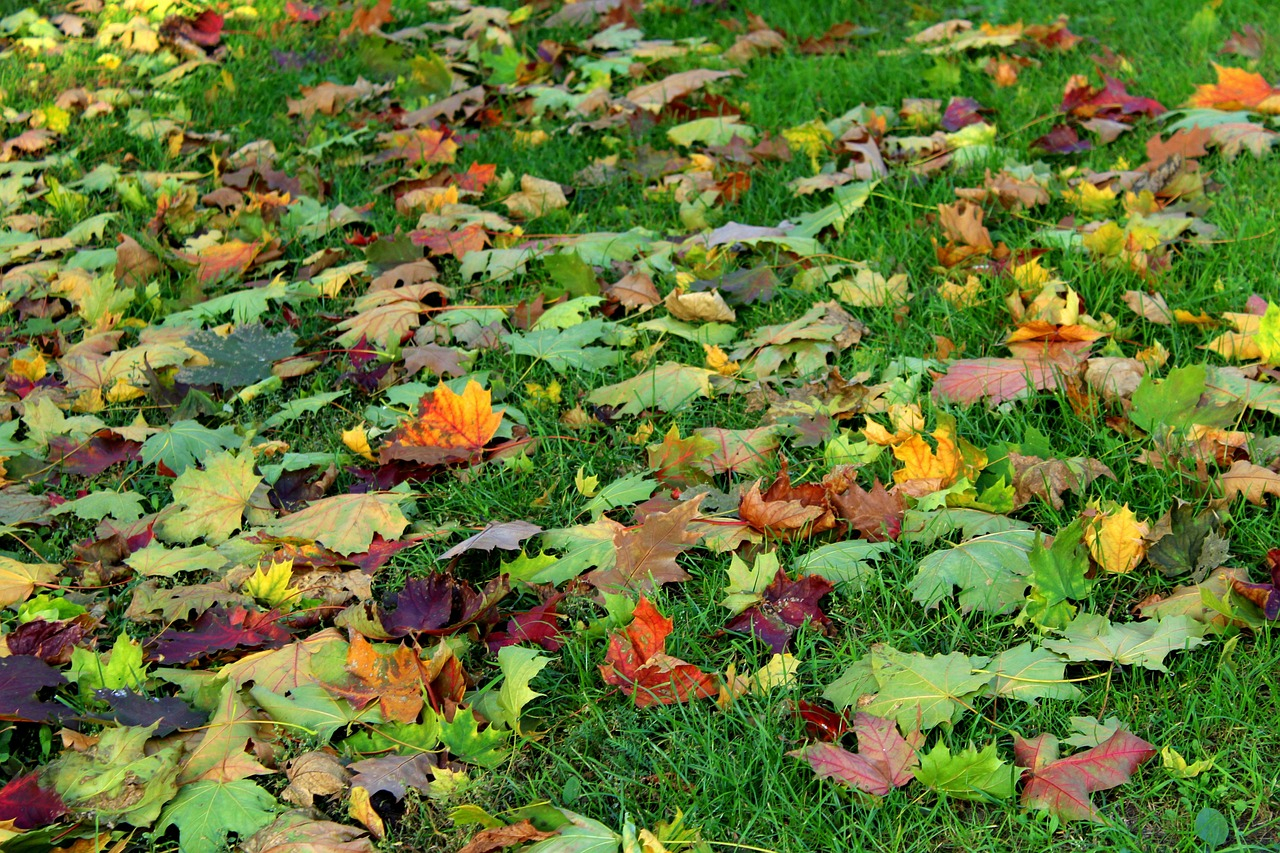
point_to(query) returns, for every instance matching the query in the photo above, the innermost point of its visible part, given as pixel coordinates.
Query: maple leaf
(1061, 786)
(395, 774)
(211, 501)
(397, 680)
(646, 555)
(654, 96)
(217, 630)
(991, 571)
(1253, 481)
(537, 197)
(1117, 540)
(18, 580)
(1265, 595)
(439, 604)
(784, 606)
(206, 812)
(681, 462)
(922, 691)
(347, 524)
(636, 660)
(21, 679)
(999, 380)
(368, 19)
(787, 511)
(449, 427)
(1049, 478)
(884, 760)
(1091, 636)
(876, 514)
(90, 458)
(536, 625)
(1237, 89)
(25, 805)
(222, 260)
(419, 147)
(970, 774)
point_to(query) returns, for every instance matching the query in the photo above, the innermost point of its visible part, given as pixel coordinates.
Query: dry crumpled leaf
(1114, 378)
(1049, 478)
(314, 774)
(706, 306)
(1253, 481)
(537, 197)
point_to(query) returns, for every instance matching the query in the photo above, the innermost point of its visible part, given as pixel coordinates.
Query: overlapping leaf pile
(200, 636)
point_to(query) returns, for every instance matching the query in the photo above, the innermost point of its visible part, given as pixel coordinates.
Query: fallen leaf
(884, 759)
(1061, 786)
(636, 660)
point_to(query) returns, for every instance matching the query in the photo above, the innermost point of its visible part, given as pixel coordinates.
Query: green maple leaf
(156, 560)
(990, 570)
(1027, 673)
(568, 348)
(1057, 577)
(115, 778)
(921, 691)
(211, 501)
(400, 738)
(1094, 637)
(970, 774)
(856, 681)
(1268, 336)
(206, 812)
(668, 387)
(123, 669)
(468, 744)
(843, 562)
(519, 665)
(747, 583)
(313, 709)
(542, 568)
(624, 491)
(182, 445)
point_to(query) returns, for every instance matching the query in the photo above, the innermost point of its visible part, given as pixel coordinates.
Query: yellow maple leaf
(1116, 538)
(718, 360)
(271, 587)
(1090, 199)
(936, 469)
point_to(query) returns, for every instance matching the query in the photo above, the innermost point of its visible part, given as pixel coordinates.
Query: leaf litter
(230, 400)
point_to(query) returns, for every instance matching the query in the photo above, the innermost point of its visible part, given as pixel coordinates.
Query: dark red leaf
(22, 677)
(1112, 101)
(217, 630)
(1062, 139)
(92, 457)
(962, 112)
(380, 550)
(536, 625)
(787, 605)
(52, 642)
(440, 604)
(821, 723)
(1265, 595)
(28, 805)
(169, 714)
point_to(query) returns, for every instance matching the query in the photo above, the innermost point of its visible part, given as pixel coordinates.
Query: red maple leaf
(440, 604)
(883, 761)
(219, 630)
(787, 604)
(28, 805)
(90, 458)
(1061, 786)
(637, 661)
(536, 625)
(1112, 101)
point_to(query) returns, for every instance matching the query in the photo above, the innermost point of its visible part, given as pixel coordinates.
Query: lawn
(644, 426)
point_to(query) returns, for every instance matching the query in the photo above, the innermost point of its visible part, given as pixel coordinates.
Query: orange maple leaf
(394, 680)
(1237, 89)
(222, 259)
(368, 19)
(449, 427)
(926, 470)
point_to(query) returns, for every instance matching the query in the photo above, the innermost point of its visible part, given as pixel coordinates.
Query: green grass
(585, 747)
